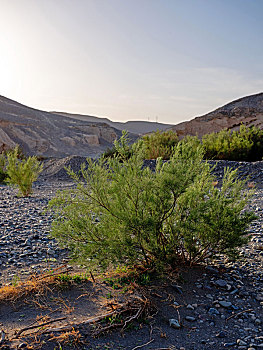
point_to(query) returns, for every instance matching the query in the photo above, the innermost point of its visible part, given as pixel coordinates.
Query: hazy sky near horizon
(131, 59)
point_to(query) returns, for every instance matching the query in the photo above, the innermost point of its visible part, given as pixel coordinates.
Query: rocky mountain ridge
(246, 110)
(134, 126)
(51, 135)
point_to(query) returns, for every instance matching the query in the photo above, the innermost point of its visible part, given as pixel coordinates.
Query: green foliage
(121, 149)
(246, 144)
(125, 214)
(68, 279)
(21, 173)
(118, 282)
(3, 160)
(3, 173)
(159, 144)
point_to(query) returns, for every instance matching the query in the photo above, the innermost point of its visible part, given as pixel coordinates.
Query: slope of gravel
(54, 169)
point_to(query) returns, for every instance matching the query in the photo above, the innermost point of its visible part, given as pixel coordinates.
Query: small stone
(190, 307)
(213, 311)
(228, 345)
(241, 342)
(225, 304)
(221, 334)
(174, 323)
(209, 296)
(190, 318)
(221, 283)
(211, 269)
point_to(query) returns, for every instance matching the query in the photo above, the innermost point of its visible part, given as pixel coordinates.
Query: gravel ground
(221, 291)
(25, 246)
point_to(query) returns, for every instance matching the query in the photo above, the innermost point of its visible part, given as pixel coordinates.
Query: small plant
(21, 173)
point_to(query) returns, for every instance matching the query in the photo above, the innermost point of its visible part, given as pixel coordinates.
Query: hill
(246, 110)
(52, 135)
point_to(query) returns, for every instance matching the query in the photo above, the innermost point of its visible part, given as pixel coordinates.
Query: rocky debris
(54, 170)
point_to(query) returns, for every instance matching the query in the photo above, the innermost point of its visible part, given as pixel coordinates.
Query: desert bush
(3, 173)
(159, 144)
(123, 213)
(21, 173)
(245, 144)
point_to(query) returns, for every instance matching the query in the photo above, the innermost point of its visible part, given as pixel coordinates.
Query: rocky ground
(213, 307)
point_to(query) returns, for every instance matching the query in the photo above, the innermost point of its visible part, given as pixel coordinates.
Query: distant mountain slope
(137, 127)
(52, 135)
(247, 110)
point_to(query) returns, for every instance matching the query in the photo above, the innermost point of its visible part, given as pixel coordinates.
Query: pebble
(174, 323)
(190, 318)
(221, 283)
(226, 304)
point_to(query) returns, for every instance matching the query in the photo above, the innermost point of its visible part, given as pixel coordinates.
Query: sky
(164, 60)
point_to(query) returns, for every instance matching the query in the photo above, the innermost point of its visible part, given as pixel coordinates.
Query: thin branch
(39, 325)
(239, 313)
(140, 346)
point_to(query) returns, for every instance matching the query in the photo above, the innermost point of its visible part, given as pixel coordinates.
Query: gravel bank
(54, 169)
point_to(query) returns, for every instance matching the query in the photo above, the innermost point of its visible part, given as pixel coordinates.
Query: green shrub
(159, 144)
(122, 148)
(245, 144)
(125, 214)
(21, 173)
(3, 173)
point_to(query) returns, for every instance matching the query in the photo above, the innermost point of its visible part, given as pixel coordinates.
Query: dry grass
(72, 338)
(39, 284)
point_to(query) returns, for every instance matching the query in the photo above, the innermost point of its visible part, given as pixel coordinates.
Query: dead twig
(239, 313)
(134, 317)
(140, 346)
(179, 318)
(92, 277)
(47, 315)
(89, 321)
(39, 325)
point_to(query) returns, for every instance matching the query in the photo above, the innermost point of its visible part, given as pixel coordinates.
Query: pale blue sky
(131, 59)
